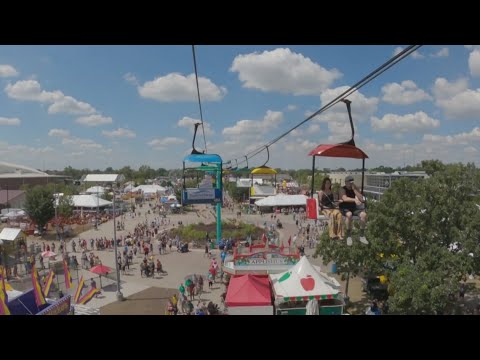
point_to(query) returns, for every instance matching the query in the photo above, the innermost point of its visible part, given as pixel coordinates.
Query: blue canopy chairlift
(205, 195)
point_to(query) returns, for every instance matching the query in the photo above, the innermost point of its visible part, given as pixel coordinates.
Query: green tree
(412, 231)
(433, 166)
(39, 205)
(65, 206)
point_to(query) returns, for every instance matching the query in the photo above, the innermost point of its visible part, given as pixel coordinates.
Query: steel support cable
(377, 72)
(198, 94)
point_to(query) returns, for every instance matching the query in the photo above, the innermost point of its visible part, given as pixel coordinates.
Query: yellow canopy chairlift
(262, 170)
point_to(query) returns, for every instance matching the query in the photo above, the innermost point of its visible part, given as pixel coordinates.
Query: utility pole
(119, 292)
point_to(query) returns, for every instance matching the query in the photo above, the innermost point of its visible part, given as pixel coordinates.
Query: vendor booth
(249, 295)
(25, 305)
(260, 259)
(294, 288)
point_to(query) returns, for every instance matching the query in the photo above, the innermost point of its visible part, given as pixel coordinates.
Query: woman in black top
(329, 208)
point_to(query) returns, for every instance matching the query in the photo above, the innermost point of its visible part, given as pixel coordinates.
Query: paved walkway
(176, 265)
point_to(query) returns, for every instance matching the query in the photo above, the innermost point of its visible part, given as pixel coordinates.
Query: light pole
(57, 201)
(119, 292)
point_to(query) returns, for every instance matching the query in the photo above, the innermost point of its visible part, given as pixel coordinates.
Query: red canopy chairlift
(342, 150)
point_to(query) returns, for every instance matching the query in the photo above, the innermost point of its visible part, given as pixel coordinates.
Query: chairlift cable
(198, 94)
(377, 72)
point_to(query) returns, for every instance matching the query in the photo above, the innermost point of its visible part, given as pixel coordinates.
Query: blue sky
(100, 106)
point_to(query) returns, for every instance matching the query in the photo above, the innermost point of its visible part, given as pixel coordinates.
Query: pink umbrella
(48, 254)
(101, 270)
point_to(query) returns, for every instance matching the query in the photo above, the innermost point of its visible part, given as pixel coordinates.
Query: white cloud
(30, 90)
(474, 63)
(457, 139)
(362, 107)
(177, 87)
(397, 50)
(313, 128)
(59, 133)
(456, 100)
(120, 132)
(443, 89)
(297, 133)
(130, 78)
(283, 71)
(162, 143)
(416, 54)
(443, 52)
(81, 143)
(470, 150)
(340, 131)
(94, 120)
(404, 123)
(405, 93)
(255, 128)
(9, 121)
(291, 107)
(189, 123)
(7, 71)
(463, 105)
(473, 47)
(69, 105)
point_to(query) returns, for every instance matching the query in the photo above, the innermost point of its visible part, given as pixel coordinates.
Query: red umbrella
(101, 270)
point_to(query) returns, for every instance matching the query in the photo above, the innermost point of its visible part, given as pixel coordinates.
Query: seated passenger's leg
(363, 220)
(349, 227)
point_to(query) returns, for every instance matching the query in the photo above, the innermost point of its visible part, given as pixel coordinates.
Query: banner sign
(61, 307)
(201, 196)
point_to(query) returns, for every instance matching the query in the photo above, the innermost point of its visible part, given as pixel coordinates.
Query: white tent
(303, 281)
(128, 188)
(150, 189)
(283, 200)
(95, 190)
(89, 201)
(9, 234)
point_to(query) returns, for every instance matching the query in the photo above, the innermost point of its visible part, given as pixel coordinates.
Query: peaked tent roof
(88, 201)
(95, 190)
(9, 234)
(303, 282)
(150, 189)
(248, 290)
(283, 200)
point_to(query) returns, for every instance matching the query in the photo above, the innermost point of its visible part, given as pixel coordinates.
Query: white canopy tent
(303, 281)
(9, 234)
(150, 189)
(283, 200)
(95, 190)
(88, 201)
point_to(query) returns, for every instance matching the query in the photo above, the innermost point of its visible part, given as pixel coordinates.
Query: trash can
(334, 268)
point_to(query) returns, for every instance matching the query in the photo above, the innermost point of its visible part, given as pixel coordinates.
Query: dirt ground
(151, 301)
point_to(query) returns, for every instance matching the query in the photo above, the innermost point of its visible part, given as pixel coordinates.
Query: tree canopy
(424, 236)
(39, 205)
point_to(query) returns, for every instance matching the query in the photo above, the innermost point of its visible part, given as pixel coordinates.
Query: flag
(78, 292)
(37, 289)
(68, 277)
(264, 238)
(48, 282)
(289, 241)
(4, 310)
(3, 290)
(3, 287)
(88, 296)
